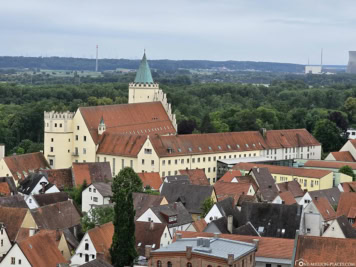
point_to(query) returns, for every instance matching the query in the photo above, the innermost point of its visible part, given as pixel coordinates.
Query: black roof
(28, 184)
(266, 183)
(246, 229)
(332, 194)
(226, 206)
(183, 216)
(346, 227)
(96, 263)
(50, 198)
(190, 195)
(273, 220)
(16, 201)
(221, 223)
(184, 179)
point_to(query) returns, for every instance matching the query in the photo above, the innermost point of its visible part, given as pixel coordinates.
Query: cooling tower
(351, 67)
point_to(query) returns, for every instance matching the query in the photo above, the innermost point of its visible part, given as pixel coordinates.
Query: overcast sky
(255, 30)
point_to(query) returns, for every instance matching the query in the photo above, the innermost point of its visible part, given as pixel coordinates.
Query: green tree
(206, 206)
(348, 171)
(329, 135)
(97, 216)
(123, 250)
(75, 193)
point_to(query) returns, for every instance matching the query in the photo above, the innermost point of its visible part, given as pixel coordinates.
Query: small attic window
(328, 211)
(154, 245)
(139, 244)
(259, 143)
(219, 147)
(254, 145)
(246, 145)
(190, 149)
(228, 146)
(199, 148)
(179, 150)
(261, 229)
(238, 146)
(209, 147)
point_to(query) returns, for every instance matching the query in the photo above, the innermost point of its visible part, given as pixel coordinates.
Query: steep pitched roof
(268, 247)
(62, 178)
(12, 218)
(266, 183)
(291, 186)
(41, 250)
(200, 225)
(96, 263)
(226, 206)
(346, 203)
(50, 198)
(271, 219)
(91, 172)
(152, 179)
(349, 186)
(4, 189)
(343, 156)
(21, 165)
(229, 175)
(15, 201)
(176, 209)
(332, 164)
(307, 173)
(143, 74)
(325, 249)
(246, 229)
(148, 233)
(196, 176)
(346, 227)
(290, 138)
(7, 186)
(101, 236)
(190, 195)
(288, 198)
(325, 209)
(331, 194)
(27, 185)
(60, 215)
(143, 202)
(104, 189)
(235, 190)
(182, 179)
(140, 118)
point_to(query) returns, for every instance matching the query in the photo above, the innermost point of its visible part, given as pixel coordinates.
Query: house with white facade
(220, 209)
(96, 194)
(5, 243)
(340, 228)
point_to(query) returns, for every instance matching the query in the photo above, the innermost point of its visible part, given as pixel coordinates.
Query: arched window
(86, 246)
(169, 264)
(159, 264)
(189, 264)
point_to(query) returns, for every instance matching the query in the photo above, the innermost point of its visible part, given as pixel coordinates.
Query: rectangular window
(176, 162)
(123, 163)
(143, 162)
(104, 159)
(169, 162)
(89, 189)
(84, 151)
(198, 160)
(55, 125)
(163, 162)
(163, 174)
(95, 199)
(131, 163)
(84, 138)
(148, 151)
(113, 166)
(182, 161)
(193, 160)
(208, 169)
(13, 260)
(152, 162)
(214, 169)
(51, 162)
(187, 160)
(52, 139)
(76, 137)
(169, 173)
(52, 149)
(209, 158)
(19, 262)
(214, 158)
(203, 159)
(77, 127)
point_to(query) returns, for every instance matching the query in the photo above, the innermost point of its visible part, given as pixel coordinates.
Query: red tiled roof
(5, 189)
(41, 250)
(346, 203)
(196, 176)
(313, 249)
(18, 164)
(141, 118)
(349, 186)
(229, 175)
(148, 233)
(352, 213)
(200, 225)
(290, 138)
(91, 172)
(12, 218)
(288, 198)
(234, 190)
(153, 179)
(332, 164)
(268, 247)
(325, 209)
(101, 236)
(291, 186)
(307, 173)
(353, 142)
(62, 178)
(343, 156)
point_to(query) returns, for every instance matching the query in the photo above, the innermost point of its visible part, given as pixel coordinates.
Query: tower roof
(143, 74)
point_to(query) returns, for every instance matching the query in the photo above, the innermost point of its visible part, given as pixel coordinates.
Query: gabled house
(96, 194)
(95, 244)
(317, 216)
(220, 209)
(5, 242)
(226, 224)
(190, 195)
(332, 195)
(199, 226)
(347, 207)
(39, 200)
(39, 250)
(62, 178)
(231, 176)
(225, 190)
(175, 215)
(91, 172)
(340, 228)
(196, 176)
(272, 220)
(347, 187)
(96, 263)
(340, 156)
(285, 198)
(150, 180)
(267, 189)
(20, 166)
(142, 202)
(293, 187)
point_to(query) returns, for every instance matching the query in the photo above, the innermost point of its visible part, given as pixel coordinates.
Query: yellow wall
(63, 248)
(306, 182)
(4, 170)
(28, 221)
(344, 178)
(128, 162)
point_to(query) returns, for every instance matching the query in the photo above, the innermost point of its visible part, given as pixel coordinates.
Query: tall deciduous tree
(329, 135)
(348, 171)
(123, 251)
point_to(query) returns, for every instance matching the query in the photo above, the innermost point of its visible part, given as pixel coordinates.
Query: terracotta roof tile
(353, 142)
(148, 233)
(143, 202)
(343, 156)
(268, 247)
(288, 198)
(101, 236)
(332, 164)
(352, 213)
(349, 186)
(152, 179)
(307, 173)
(12, 218)
(291, 186)
(5, 189)
(234, 190)
(19, 165)
(346, 203)
(196, 176)
(50, 198)
(41, 250)
(290, 138)
(141, 118)
(325, 209)
(91, 172)
(314, 249)
(62, 178)
(200, 225)
(229, 175)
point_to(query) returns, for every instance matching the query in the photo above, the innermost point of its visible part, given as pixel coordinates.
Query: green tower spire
(143, 74)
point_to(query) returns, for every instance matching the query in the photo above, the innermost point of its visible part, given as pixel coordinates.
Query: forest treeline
(326, 111)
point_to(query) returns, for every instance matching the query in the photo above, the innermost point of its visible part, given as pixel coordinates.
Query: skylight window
(228, 146)
(246, 145)
(190, 149)
(199, 148)
(254, 145)
(238, 146)
(179, 150)
(209, 147)
(260, 229)
(219, 147)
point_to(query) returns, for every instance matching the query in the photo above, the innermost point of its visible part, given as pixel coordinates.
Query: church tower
(144, 89)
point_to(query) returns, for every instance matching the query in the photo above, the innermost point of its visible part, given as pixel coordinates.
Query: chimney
(229, 223)
(175, 205)
(230, 259)
(216, 235)
(258, 170)
(152, 225)
(178, 236)
(256, 242)
(148, 251)
(43, 188)
(188, 252)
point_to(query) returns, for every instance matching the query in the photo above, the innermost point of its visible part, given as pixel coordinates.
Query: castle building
(143, 135)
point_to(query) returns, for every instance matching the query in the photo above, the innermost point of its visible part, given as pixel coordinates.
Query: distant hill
(65, 63)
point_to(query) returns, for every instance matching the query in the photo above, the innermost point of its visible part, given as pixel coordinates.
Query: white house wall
(311, 219)
(213, 214)
(334, 230)
(5, 243)
(149, 216)
(15, 252)
(78, 260)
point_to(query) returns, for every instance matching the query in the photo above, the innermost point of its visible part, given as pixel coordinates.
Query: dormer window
(219, 147)
(172, 219)
(228, 146)
(238, 146)
(190, 149)
(199, 148)
(247, 145)
(209, 147)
